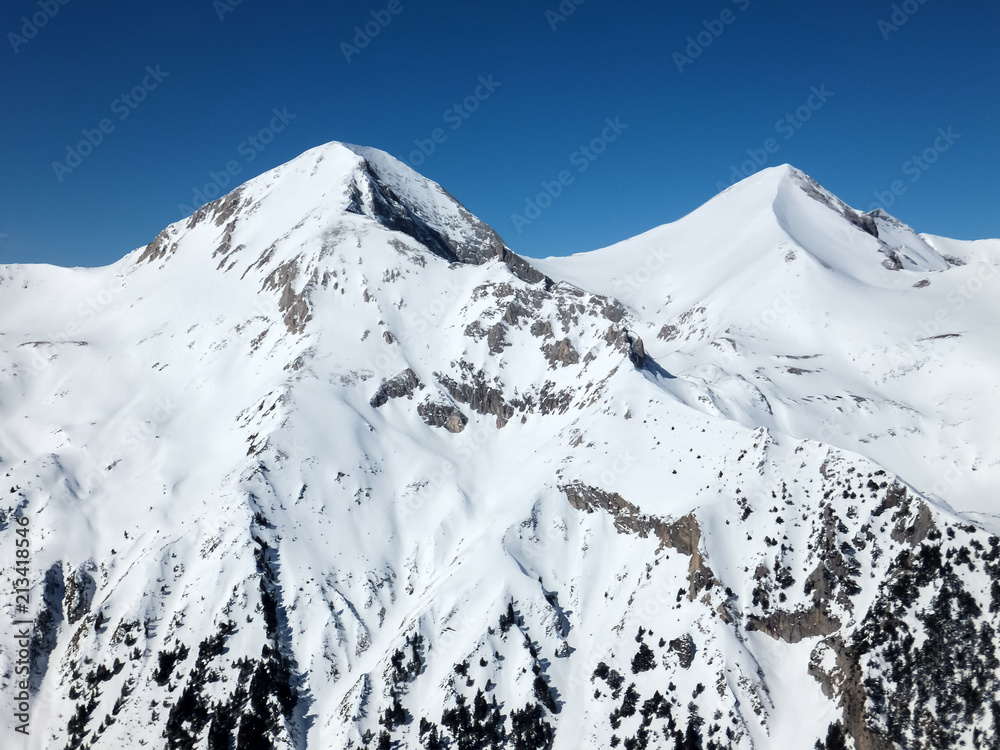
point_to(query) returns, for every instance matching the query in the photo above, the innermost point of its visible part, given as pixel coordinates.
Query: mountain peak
(768, 183)
(317, 469)
(783, 189)
(286, 231)
(331, 191)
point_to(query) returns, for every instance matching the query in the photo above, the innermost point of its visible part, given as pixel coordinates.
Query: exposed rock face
(438, 414)
(892, 261)
(864, 222)
(482, 396)
(884, 680)
(793, 627)
(683, 535)
(156, 250)
(629, 344)
(908, 528)
(497, 338)
(668, 333)
(522, 268)
(392, 212)
(479, 243)
(876, 666)
(80, 590)
(219, 212)
(684, 647)
(561, 353)
(900, 245)
(401, 386)
(293, 305)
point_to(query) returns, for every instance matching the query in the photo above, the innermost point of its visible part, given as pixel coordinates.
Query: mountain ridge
(327, 464)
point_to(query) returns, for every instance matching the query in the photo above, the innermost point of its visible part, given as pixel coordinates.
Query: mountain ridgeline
(328, 465)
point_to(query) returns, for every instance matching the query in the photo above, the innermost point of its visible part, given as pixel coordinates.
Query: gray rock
(437, 414)
(400, 386)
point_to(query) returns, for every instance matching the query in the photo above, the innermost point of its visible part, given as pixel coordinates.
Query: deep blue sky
(686, 129)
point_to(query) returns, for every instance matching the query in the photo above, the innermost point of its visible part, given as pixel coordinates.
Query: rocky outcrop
(439, 414)
(683, 535)
(496, 338)
(834, 578)
(293, 305)
(80, 591)
(378, 199)
(475, 243)
(400, 386)
(924, 664)
(912, 525)
(684, 648)
(545, 401)
(629, 344)
(864, 222)
(158, 249)
(482, 395)
(793, 627)
(221, 211)
(561, 353)
(814, 190)
(834, 665)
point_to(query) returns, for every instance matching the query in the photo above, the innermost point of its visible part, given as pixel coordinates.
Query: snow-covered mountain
(327, 465)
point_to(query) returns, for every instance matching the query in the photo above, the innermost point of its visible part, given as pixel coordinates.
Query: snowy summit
(328, 465)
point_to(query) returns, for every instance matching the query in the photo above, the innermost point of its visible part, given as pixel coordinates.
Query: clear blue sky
(891, 89)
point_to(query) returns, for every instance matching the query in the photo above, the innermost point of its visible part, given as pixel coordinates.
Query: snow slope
(327, 465)
(790, 316)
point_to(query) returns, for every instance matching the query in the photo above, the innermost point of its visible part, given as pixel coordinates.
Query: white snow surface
(786, 314)
(165, 417)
